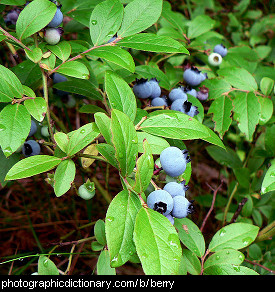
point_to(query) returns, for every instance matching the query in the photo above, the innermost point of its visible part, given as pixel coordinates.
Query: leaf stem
(14, 39)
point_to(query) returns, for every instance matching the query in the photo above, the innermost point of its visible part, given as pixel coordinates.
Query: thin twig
(238, 211)
(259, 265)
(212, 205)
(13, 38)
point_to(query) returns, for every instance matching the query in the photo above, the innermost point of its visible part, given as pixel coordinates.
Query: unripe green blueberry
(52, 35)
(86, 192)
(215, 59)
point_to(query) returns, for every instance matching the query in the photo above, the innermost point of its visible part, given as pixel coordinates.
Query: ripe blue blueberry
(156, 90)
(215, 59)
(52, 35)
(177, 93)
(182, 207)
(189, 90)
(58, 78)
(185, 107)
(173, 161)
(31, 148)
(170, 218)
(192, 76)
(203, 93)
(160, 201)
(11, 17)
(203, 76)
(57, 19)
(142, 88)
(33, 128)
(176, 189)
(220, 49)
(159, 101)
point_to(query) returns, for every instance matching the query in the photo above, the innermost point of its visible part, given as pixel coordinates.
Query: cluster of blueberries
(215, 58)
(52, 32)
(171, 201)
(178, 97)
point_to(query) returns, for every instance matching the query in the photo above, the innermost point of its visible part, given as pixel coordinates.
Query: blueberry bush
(146, 127)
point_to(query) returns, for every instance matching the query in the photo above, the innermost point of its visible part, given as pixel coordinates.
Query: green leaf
(63, 177)
(228, 269)
(157, 144)
(125, 141)
(235, 235)
(268, 184)
(15, 124)
(46, 266)
(269, 139)
(216, 87)
(37, 107)
(175, 125)
(81, 137)
(62, 141)
(81, 87)
(191, 261)
(199, 25)
(120, 95)
(35, 16)
(35, 55)
(226, 156)
(153, 43)
(62, 50)
(115, 55)
(266, 85)
(139, 15)
(221, 109)
(144, 169)
(190, 235)
(239, 78)
(99, 232)
(157, 243)
(103, 122)
(120, 217)
(103, 264)
(266, 109)
(108, 152)
(74, 69)
(149, 72)
(10, 86)
(31, 166)
(6, 165)
(224, 256)
(246, 112)
(105, 20)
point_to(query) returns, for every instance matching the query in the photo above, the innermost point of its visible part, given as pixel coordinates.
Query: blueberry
(220, 49)
(182, 207)
(112, 39)
(156, 90)
(160, 201)
(52, 35)
(177, 93)
(159, 101)
(177, 105)
(11, 17)
(192, 76)
(176, 189)
(85, 193)
(57, 19)
(203, 93)
(189, 109)
(142, 88)
(189, 90)
(33, 128)
(45, 131)
(31, 148)
(203, 76)
(215, 59)
(173, 161)
(170, 218)
(57, 78)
